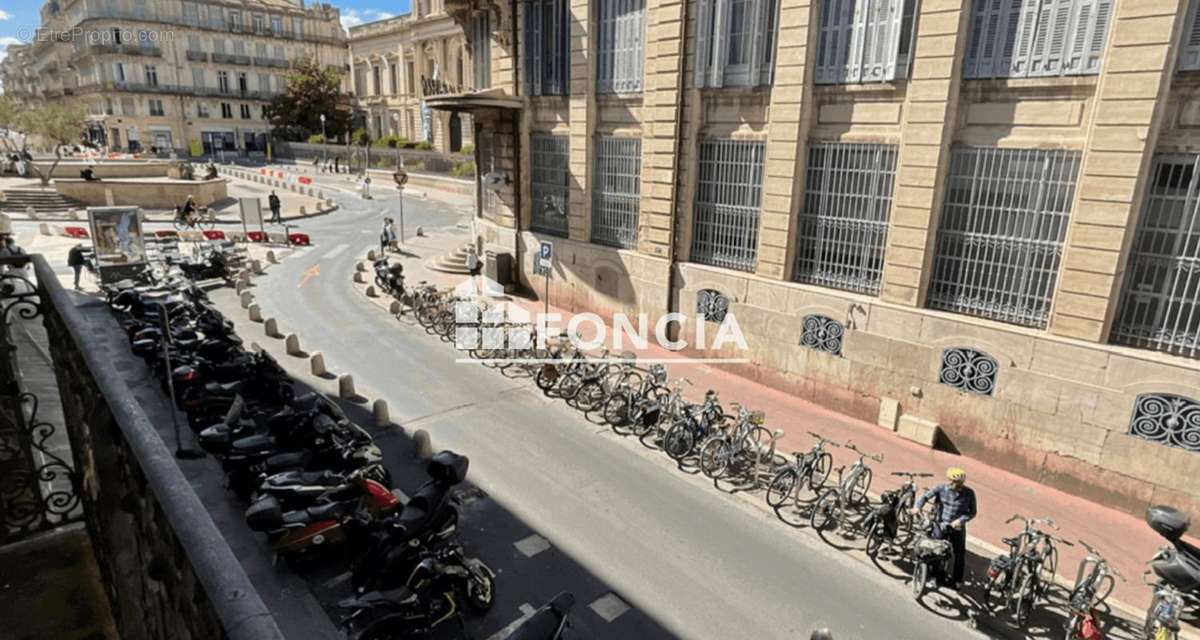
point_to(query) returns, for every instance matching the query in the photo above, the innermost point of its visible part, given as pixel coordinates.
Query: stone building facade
(393, 64)
(973, 214)
(189, 76)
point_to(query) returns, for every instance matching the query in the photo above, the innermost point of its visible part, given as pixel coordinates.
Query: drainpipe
(672, 296)
(516, 126)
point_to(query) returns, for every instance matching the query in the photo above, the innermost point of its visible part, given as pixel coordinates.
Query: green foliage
(463, 169)
(391, 142)
(467, 149)
(361, 137)
(315, 139)
(312, 90)
(56, 124)
(423, 146)
(414, 166)
(10, 112)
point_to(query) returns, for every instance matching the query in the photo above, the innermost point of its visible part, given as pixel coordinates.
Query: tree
(312, 90)
(9, 113)
(57, 124)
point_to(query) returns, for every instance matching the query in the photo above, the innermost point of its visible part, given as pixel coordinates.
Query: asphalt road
(701, 563)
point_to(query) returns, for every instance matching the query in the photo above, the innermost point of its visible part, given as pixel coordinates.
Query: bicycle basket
(999, 565)
(931, 549)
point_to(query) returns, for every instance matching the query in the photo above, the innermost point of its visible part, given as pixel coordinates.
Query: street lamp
(395, 133)
(323, 142)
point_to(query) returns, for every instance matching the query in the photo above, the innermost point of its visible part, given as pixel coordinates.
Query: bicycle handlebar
(912, 474)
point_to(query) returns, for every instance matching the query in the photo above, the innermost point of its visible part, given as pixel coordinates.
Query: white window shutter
(758, 17)
(1000, 49)
(1189, 53)
(855, 27)
(704, 34)
(1023, 42)
(720, 18)
(885, 41)
(1089, 37)
(1055, 24)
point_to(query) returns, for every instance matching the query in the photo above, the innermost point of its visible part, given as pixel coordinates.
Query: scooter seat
(289, 478)
(399, 595)
(252, 443)
(290, 460)
(314, 514)
(224, 388)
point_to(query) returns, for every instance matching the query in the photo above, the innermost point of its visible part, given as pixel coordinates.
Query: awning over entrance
(474, 101)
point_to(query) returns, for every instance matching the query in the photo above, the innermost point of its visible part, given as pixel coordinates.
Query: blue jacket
(953, 506)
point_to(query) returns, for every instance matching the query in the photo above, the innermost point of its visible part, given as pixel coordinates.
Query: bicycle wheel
(1150, 627)
(1025, 598)
(821, 469)
(1073, 626)
(993, 592)
(656, 396)
(679, 441)
(904, 519)
(919, 577)
(589, 397)
(547, 377)
(826, 512)
(714, 457)
(569, 385)
(616, 409)
(782, 487)
(858, 491)
(874, 538)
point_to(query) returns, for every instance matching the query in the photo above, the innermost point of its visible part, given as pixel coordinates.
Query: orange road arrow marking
(309, 275)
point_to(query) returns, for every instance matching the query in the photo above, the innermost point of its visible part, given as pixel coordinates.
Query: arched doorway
(455, 133)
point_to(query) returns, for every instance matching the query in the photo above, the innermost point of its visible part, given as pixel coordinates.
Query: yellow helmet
(956, 473)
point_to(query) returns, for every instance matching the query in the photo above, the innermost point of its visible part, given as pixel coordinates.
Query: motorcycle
(389, 277)
(1177, 569)
(301, 489)
(429, 597)
(251, 460)
(298, 531)
(548, 622)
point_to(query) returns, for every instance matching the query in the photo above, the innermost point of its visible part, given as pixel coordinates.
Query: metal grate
(712, 305)
(619, 52)
(728, 196)
(968, 370)
(822, 334)
(1160, 302)
(1167, 419)
(548, 184)
(547, 27)
(843, 227)
(616, 193)
(1001, 233)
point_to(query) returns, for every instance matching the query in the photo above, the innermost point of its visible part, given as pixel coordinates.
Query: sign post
(545, 263)
(401, 178)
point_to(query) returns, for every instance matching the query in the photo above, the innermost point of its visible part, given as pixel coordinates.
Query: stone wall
(168, 572)
(109, 169)
(140, 193)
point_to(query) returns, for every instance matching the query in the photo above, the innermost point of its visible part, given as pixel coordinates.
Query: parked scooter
(1177, 569)
(298, 531)
(389, 277)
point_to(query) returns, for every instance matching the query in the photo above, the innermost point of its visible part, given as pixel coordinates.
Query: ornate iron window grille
(822, 334)
(39, 490)
(712, 305)
(968, 370)
(1167, 419)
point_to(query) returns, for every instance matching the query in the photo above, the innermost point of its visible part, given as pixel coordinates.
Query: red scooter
(298, 531)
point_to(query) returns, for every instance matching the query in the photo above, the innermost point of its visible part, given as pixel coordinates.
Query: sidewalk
(1126, 541)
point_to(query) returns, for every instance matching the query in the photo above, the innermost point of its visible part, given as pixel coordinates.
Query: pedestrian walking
(473, 265)
(387, 236)
(395, 243)
(75, 261)
(956, 507)
(274, 204)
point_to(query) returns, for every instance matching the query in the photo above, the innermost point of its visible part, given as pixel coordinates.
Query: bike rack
(768, 458)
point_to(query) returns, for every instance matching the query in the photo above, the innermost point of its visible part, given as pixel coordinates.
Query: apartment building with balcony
(190, 76)
(979, 215)
(396, 62)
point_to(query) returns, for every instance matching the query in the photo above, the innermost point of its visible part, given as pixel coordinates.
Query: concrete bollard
(329, 202)
(394, 308)
(380, 412)
(255, 313)
(316, 363)
(292, 345)
(303, 210)
(372, 256)
(371, 293)
(360, 266)
(257, 267)
(244, 276)
(346, 386)
(359, 278)
(241, 287)
(246, 298)
(420, 232)
(271, 328)
(271, 259)
(423, 444)
(29, 211)
(44, 229)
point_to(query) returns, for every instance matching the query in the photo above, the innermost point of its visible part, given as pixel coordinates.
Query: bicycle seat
(1010, 541)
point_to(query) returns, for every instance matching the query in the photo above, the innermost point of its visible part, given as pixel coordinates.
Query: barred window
(735, 42)
(864, 40)
(728, 197)
(616, 191)
(1020, 38)
(1160, 301)
(1000, 238)
(843, 227)
(548, 184)
(619, 46)
(481, 52)
(547, 48)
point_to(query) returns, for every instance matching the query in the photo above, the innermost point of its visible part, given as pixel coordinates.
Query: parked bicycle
(890, 523)
(630, 404)
(930, 556)
(606, 378)
(696, 424)
(850, 493)
(1018, 579)
(744, 441)
(806, 470)
(1094, 582)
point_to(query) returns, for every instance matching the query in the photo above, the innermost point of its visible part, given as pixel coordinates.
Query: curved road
(702, 563)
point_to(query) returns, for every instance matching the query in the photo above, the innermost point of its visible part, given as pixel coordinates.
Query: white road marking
(526, 612)
(335, 251)
(609, 607)
(532, 545)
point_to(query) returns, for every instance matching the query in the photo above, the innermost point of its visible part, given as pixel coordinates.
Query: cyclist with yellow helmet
(956, 507)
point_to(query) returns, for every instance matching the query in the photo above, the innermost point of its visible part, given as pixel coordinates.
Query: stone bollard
(44, 229)
(320, 195)
(271, 259)
(292, 345)
(372, 256)
(329, 202)
(303, 210)
(420, 232)
(29, 211)
(316, 363)
(241, 287)
(423, 444)
(246, 298)
(74, 214)
(360, 266)
(359, 278)
(380, 412)
(255, 313)
(371, 293)
(271, 328)
(346, 386)
(257, 267)
(244, 276)
(394, 308)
